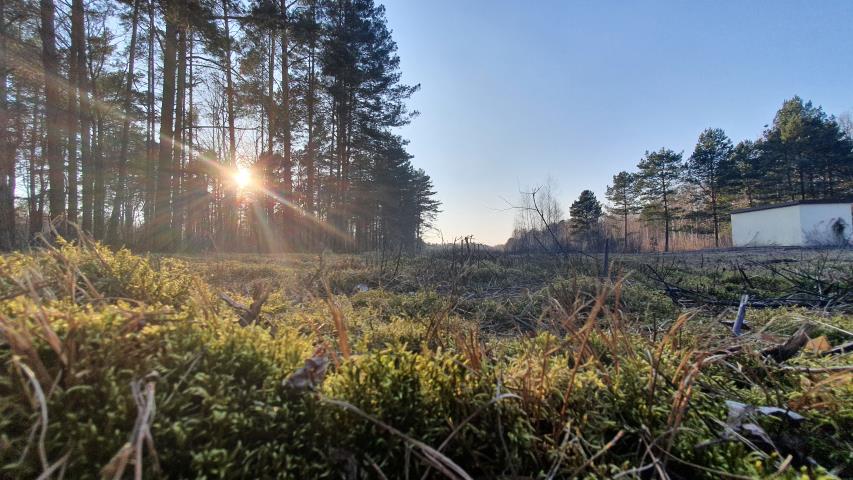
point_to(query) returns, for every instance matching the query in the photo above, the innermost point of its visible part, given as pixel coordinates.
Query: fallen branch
(843, 348)
(787, 350)
(837, 368)
(601, 452)
(798, 296)
(249, 315)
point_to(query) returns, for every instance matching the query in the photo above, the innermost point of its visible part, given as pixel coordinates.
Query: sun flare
(243, 178)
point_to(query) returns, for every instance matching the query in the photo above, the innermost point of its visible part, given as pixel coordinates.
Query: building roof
(794, 203)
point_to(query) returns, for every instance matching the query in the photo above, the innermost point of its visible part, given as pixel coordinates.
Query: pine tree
(660, 174)
(746, 176)
(585, 212)
(359, 57)
(708, 169)
(313, 85)
(804, 153)
(623, 195)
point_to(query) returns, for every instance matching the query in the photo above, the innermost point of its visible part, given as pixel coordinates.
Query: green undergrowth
(418, 383)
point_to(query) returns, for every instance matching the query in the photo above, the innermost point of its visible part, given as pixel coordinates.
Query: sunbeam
(243, 178)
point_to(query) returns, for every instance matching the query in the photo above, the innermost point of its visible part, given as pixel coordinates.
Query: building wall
(775, 226)
(817, 223)
(797, 225)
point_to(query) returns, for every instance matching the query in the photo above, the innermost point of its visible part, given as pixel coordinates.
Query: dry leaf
(818, 345)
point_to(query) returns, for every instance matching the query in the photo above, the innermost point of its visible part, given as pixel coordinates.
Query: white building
(802, 223)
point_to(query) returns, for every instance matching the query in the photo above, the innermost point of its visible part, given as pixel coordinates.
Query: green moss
(635, 299)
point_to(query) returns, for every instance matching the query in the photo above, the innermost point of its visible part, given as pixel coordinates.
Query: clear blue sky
(516, 91)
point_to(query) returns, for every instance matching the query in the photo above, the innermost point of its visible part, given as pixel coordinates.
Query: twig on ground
(432, 456)
(140, 434)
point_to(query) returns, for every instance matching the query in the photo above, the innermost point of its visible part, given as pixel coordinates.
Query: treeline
(803, 154)
(173, 125)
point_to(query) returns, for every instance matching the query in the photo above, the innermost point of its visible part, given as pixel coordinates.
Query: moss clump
(631, 298)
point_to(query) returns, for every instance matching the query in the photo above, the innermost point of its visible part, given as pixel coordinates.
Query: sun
(243, 178)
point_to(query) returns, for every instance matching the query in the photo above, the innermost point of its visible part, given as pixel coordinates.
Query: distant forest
(803, 154)
(216, 124)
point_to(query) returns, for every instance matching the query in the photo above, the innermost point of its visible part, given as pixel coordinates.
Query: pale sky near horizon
(514, 92)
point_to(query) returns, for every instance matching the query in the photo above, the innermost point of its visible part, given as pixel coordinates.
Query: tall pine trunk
(230, 200)
(716, 219)
(113, 234)
(309, 201)
(86, 163)
(665, 219)
(268, 165)
(162, 199)
(272, 119)
(53, 112)
(72, 115)
(35, 190)
(265, 210)
(178, 144)
(99, 176)
(150, 161)
(196, 193)
(287, 155)
(7, 152)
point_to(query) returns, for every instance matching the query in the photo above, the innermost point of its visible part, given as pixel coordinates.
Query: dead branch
(787, 350)
(431, 456)
(249, 315)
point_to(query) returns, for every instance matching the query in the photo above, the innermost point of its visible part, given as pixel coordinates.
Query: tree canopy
(585, 212)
